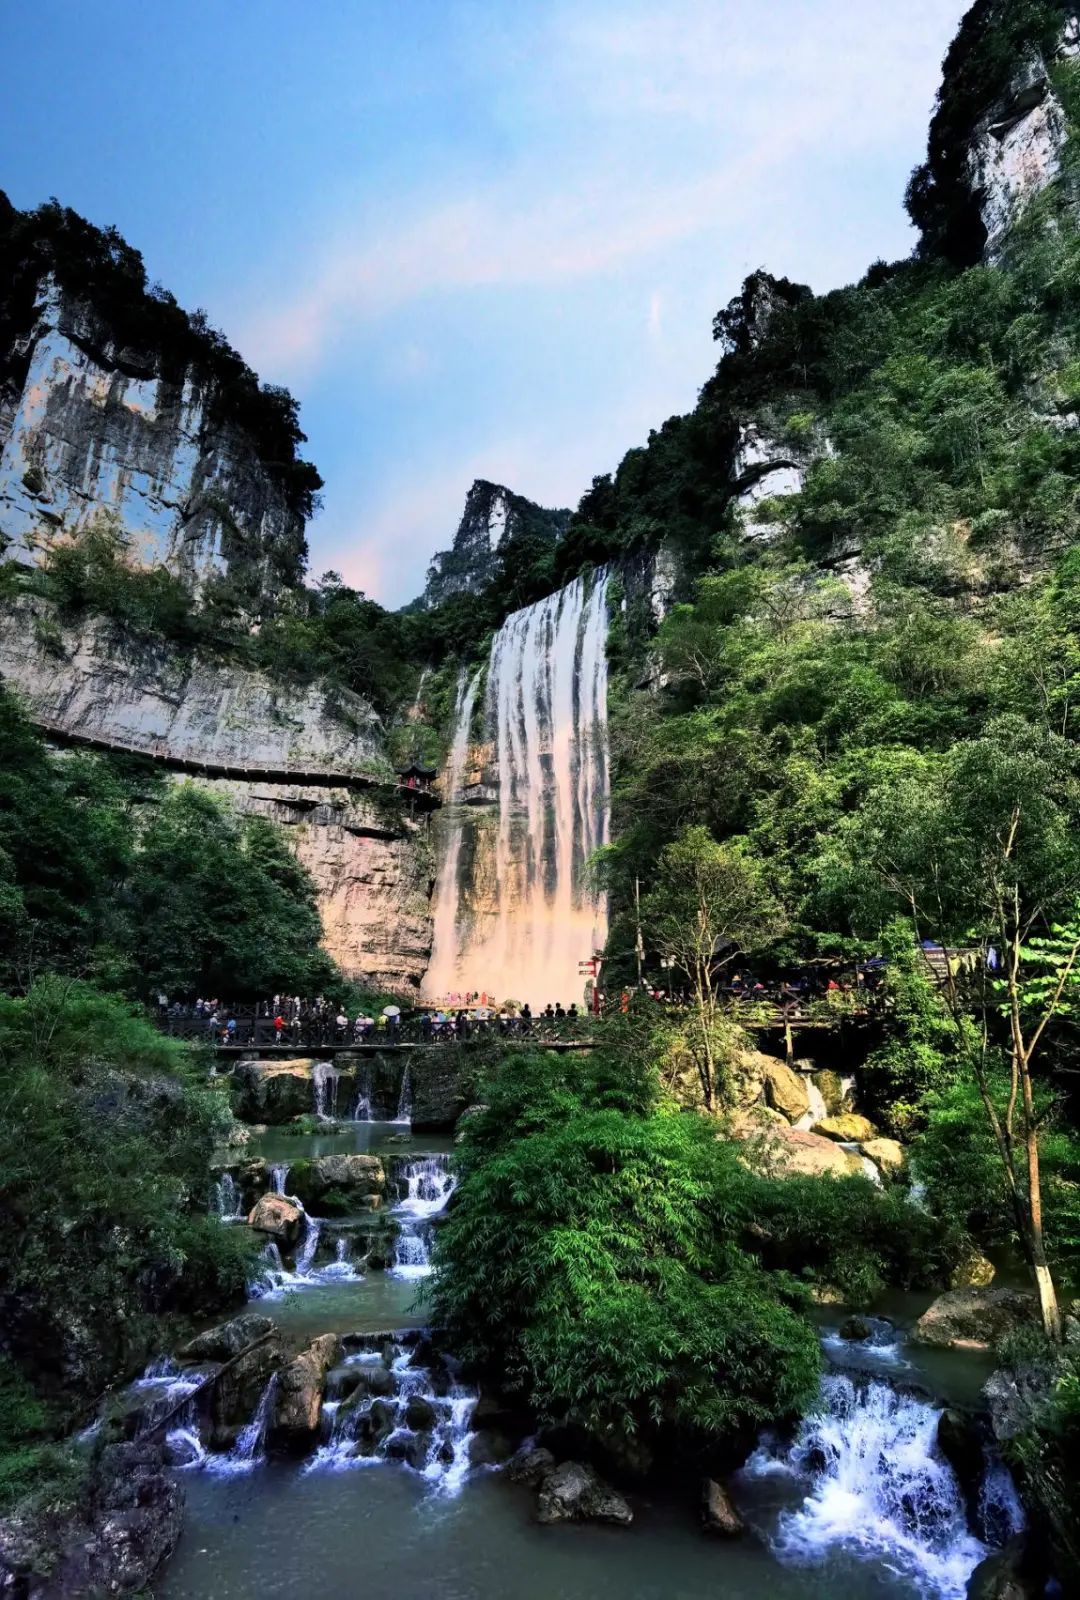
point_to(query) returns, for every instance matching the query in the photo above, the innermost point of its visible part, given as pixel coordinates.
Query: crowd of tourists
(303, 1023)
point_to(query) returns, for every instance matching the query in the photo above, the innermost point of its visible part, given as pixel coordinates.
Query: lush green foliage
(108, 872)
(615, 1261)
(105, 1139)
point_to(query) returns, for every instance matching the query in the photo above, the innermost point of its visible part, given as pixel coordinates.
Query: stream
(860, 1503)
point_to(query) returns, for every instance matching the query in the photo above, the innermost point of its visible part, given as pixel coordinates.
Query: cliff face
(304, 759)
(493, 516)
(88, 425)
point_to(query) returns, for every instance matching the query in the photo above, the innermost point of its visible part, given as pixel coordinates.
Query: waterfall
(442, 973)
(818, 1109)
(324, 1084)
(876, 1486)
(404, 1105)
(518, 923)
(279, 1176)
(248, 1450)
(364, 1092)
(225, 1200)
(312, 1229)
(425, 1184)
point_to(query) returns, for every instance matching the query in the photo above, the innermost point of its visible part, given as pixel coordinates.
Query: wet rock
(855, 1328)
(278, 1217)
(228, 1338)
(718, 1515)
(420, 1414)
(975, 1319)
(888, 1155)
(371, 1378)
(1004, 1575)
(575, 1493)
(375, 1425)
(972, 1271)
(847, 1128)
(490, 1448)
(831, 1089)
(530, 1465)
(300, 1389)
(786, 1091)
(356, 1175)
(959, 1439)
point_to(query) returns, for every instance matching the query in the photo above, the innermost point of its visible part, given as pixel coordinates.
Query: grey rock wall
(92, 428)
(492, 515)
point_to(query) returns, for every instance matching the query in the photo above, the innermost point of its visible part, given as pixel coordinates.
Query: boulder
(575, 1493)
(490, 1448)
(786, 1091)
(228, 1338)
(298, 1401)
(746, 1072)
(420, 1414)
(789, 1152)
(132, 1525)
(273, 1092)
(530, 1465)
(847, 1128)
(279, 1217)
(888, 1155)
(831, 1089)
(855, 1329)
(718, 1515)
(369, 1378)
(972, 1271)
(975, 1319)
(358, 1176)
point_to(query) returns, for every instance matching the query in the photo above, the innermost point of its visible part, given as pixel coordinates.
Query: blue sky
(477, 238)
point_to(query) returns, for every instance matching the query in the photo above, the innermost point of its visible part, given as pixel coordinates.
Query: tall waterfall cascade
(515, 912)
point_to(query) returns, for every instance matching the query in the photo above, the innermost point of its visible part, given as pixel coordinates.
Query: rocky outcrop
(786, 1152)
(1016, 150)
(114, 1543)
(273, 1091)
(763, 469)
(86, 683)
(228, 1339)
(888, 1155)
(88, 424)
(356, 1175)
(975, 1319)
(575, 1493)
(240, 1385)
(972, 1271)
(492, 516)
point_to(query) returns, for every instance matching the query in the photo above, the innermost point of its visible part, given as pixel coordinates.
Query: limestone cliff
(493, 516)
(309, 760)
(112, 399)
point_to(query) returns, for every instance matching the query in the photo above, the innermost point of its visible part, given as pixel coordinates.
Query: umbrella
(482, 1012)
(391, 1011)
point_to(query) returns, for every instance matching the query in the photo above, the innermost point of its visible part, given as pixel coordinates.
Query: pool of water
(382, 1533)
(376, 1138)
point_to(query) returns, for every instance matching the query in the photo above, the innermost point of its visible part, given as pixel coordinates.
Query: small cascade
(250, 1448)
(279, 1177)
(306, 1255)
(876, 1486)
(324, 1086)
(818, 1109)
(425, 1424)
(424, 1185)
(225, 1200)
(364, 1093)
(404, 1105)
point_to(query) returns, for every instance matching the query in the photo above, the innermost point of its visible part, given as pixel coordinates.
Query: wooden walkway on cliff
(158, 750)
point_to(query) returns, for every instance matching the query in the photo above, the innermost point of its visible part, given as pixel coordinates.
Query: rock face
(1016, 150)
(974, 1319)
(92, 426)
(787, 1152)
(492, 515)
(228, 1338)
(273, 1091)
(574, 1493)
(763, 469)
